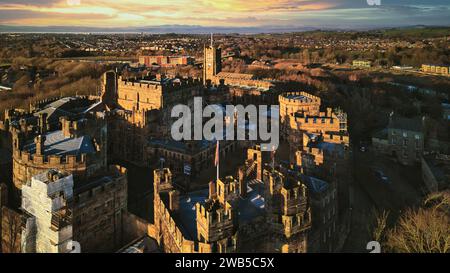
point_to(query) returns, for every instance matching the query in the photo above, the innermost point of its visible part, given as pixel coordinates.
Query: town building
(403, 139)
(436, 69)
(362, 63)
(166, 61)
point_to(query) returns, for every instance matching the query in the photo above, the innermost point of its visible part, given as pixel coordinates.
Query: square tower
(212, 63)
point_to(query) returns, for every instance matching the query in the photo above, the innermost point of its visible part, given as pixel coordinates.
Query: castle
(298, 206)
(77, 146)
(234, 215)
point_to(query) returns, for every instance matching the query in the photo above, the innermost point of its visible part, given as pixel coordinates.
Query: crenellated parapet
(115, 177)
(79, 147)
(288, 209)
(161, 84)
(299, 98)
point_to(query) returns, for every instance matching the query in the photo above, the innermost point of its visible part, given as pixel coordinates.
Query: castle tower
(109, 88)
(217, 217)
(212, 63)
(255, 154)
(162, 180)
(288, 212)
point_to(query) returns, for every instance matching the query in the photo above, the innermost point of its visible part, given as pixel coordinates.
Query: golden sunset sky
(241, 13)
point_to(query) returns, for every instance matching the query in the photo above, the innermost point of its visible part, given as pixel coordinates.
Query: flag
(216, 161)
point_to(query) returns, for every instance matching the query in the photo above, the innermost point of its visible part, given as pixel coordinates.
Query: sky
(227, 13)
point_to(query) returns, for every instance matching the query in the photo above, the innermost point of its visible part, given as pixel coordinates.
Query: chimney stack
(43, 123)
(40, 144)
(174, 200)
(65, 126)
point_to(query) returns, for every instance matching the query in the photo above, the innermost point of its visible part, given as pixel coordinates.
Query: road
(403, 191)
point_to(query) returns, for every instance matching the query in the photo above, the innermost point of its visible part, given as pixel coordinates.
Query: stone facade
(212, 63)
(79, 147)
(403, 140)
(234, 215)
(98, 210)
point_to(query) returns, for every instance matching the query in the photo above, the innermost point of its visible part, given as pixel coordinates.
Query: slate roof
(57, 144)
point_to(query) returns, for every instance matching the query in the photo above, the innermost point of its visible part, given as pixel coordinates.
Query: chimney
(39, 141)
(65, 126)
(43, 123)
(212, 189)
(242, 184)
(174, 200)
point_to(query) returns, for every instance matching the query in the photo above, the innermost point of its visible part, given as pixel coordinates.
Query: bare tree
(426, 230)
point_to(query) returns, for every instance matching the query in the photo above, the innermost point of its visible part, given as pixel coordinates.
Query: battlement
(227, 189)
(27, 158)
(212, 212)
(115, 177)
(39, 104)
(294, 224)
(215, 221)
(299, 98)
(162, 85)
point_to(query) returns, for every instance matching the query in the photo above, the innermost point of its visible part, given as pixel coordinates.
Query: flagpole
(218, 159)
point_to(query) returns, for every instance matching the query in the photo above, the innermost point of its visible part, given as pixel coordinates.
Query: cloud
(121, 13)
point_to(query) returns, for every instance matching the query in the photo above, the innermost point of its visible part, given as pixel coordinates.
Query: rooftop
(248, 209)
(57, 144)
(240, 76)
(314, 184)
(292, 96)
(409, 124)
(180, 146)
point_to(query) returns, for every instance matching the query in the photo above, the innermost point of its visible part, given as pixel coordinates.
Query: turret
(162, 179)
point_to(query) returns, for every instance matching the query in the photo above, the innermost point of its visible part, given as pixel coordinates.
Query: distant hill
(425, 31)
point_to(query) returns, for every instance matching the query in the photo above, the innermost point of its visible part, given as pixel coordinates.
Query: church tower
(211, 61)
